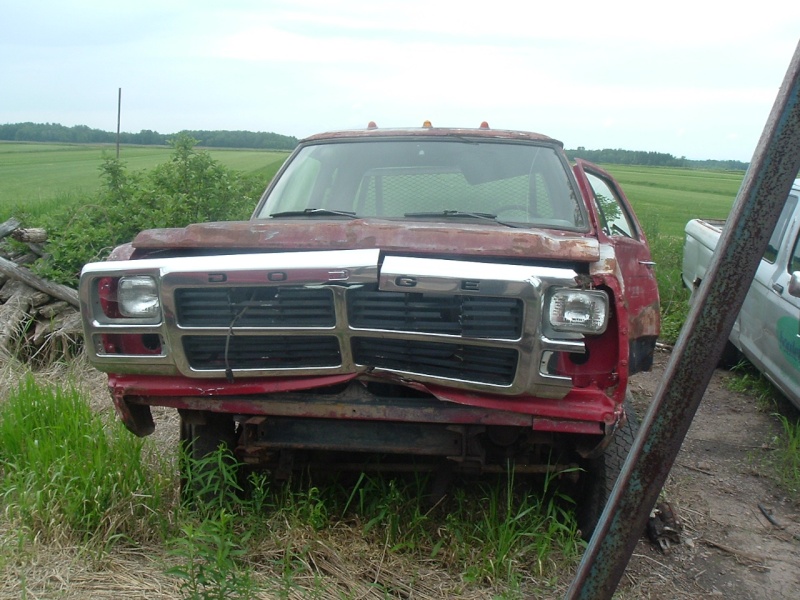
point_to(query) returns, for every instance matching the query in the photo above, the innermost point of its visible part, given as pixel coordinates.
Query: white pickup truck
(767, 330)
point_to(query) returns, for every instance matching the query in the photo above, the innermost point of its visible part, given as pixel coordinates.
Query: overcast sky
(689, 78)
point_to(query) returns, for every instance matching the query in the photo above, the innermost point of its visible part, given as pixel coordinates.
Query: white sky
(692, 78)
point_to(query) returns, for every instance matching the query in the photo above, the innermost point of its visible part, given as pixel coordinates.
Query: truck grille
(238, 309)
(468, 316)
(453, 361)
(255, 307)
(465, 324)
(205, 352)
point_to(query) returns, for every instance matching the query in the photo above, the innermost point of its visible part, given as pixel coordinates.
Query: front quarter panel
(628, 259)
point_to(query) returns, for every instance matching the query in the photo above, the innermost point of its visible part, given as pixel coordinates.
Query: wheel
(731, 357)
(601, 473)
(202, 476)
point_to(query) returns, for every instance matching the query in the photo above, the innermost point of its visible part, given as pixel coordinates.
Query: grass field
(666, 198)
(34, 178)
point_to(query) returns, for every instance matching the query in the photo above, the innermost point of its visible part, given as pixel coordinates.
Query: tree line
(81, 134)
(616, 156)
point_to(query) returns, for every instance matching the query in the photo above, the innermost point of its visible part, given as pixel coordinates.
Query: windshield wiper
(459, 214)
(311, 212)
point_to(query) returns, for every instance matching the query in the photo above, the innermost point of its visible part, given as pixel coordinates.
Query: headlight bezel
(127, 299)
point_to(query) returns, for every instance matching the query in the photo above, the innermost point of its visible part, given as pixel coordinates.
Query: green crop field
(35, 178)
(666, 198)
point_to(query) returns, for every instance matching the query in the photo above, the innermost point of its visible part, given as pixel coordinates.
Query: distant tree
(81, 134)
(148, 137)
(243, 139)
(618, 156)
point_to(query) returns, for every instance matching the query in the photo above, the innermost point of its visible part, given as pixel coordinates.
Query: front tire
(601, 473)
(731, 357)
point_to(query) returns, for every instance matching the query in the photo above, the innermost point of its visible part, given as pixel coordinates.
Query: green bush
(191, 187)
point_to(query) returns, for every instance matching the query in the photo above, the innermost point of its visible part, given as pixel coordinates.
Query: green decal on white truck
(788, 330)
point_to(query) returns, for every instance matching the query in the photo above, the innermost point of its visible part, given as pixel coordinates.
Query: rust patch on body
(646, 323)
(417, 238)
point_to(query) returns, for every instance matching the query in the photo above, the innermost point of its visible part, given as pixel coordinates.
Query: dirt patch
(719, 486)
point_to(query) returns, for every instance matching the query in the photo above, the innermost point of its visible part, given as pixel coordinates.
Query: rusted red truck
(446, 299)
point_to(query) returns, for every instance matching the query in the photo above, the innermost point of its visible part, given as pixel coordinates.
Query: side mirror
(794, 284)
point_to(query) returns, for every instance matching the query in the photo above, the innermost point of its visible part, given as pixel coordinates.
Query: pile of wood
(39, 319)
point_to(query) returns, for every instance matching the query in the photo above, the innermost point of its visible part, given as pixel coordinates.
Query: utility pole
(119, 112)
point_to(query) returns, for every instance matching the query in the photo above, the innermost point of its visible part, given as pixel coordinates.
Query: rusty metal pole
(761, 197)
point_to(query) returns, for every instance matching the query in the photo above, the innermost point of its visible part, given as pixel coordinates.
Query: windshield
(416, 179)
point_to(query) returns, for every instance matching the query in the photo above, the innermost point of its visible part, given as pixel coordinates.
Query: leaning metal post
(764, 190)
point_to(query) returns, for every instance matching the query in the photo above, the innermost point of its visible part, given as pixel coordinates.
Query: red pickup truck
(448, 299)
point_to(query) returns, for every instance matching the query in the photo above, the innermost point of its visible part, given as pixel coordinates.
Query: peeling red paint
(164, 385)
(648, 322)
(389, 236)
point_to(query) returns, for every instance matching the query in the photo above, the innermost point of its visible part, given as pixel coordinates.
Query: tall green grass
(69, 473)
(787, 459)
(784, 461)
(68, 469)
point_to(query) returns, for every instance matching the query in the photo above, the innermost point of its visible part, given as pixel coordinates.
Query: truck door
(617, 225)
(768, 322)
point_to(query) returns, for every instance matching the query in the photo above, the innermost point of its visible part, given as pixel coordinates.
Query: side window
(771, 253)
(613, 218)
(794, 261)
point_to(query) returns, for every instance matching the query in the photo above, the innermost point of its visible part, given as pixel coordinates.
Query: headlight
(579, 311)
(138, 297)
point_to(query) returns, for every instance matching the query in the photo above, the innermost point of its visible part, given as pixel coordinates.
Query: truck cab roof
(425, 131)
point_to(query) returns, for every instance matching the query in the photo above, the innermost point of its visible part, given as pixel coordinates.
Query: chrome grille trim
(333, 282)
